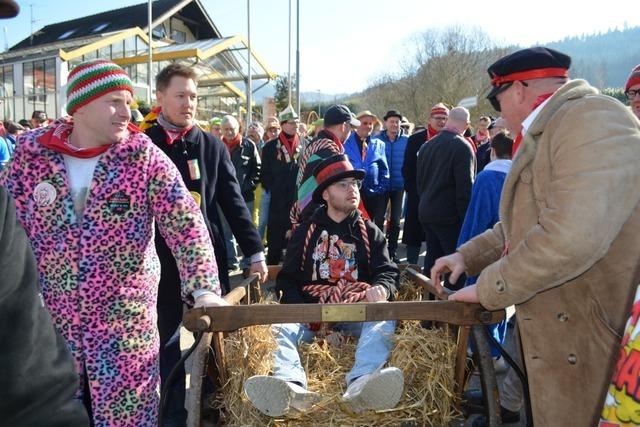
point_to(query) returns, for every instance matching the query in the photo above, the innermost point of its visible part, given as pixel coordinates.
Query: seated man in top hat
(335, 256)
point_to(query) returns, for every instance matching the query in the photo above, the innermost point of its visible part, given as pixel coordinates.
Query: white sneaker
(381, 389)
(277, 398)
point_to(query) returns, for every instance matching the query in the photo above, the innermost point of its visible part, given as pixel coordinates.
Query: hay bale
(426, 357)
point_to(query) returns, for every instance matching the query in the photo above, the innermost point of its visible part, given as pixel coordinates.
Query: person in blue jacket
(395, 146)
(482, 212)
(369, 155)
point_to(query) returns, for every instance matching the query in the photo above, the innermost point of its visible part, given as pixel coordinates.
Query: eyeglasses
(632, 93)
(346, 185)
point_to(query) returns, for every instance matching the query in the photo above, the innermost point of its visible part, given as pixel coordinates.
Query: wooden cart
(212, 323)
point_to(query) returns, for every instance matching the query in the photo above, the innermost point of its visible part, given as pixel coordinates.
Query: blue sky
(345, 44)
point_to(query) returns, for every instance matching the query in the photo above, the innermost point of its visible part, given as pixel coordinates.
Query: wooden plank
(440, 292)
(461, 361)
(193, 402)
(235, 317)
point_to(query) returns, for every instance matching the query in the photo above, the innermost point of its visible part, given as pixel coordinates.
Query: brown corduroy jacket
(570, 217)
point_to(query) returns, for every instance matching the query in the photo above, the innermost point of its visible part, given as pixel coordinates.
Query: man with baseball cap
(338, 121)
(314, 273)
(567, 248)
(96, 188)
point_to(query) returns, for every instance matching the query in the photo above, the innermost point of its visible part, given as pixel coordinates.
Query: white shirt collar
(526, 124)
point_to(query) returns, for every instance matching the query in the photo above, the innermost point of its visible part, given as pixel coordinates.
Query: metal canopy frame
(218, 62)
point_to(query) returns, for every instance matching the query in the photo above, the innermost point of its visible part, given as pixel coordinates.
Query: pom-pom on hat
(634, 78)
(91, 79)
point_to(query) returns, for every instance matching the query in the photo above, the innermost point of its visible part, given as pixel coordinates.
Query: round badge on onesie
(44, 194)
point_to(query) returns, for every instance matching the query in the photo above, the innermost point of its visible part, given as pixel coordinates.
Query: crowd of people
(536, 209)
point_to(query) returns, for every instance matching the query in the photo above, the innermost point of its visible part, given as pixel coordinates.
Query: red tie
(516, 144)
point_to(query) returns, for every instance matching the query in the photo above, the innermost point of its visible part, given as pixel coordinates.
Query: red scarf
(232, 144)
(431, 132)
(518, 140)
(332, 136)
(57, 139)
(289, 142)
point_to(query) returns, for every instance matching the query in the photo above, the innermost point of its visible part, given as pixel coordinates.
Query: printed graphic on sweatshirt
(622, 405)
(334, 259)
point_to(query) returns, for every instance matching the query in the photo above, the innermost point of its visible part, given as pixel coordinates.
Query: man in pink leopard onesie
(88, 190)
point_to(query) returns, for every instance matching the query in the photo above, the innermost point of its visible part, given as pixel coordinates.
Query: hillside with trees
(450, 64)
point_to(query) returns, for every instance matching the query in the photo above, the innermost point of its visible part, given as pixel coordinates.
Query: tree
(282, 91)
(446, 65)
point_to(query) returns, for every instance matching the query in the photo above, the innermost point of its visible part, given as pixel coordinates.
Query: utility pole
(289, 51)
(246, 128)
(298, 106)
(150, 63)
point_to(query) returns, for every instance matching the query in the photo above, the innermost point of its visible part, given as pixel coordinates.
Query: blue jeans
(372, 351)
(263, 213)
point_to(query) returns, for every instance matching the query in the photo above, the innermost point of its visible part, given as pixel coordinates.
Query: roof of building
(195, 17)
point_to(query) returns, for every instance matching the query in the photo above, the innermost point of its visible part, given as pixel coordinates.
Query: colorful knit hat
(634, 78)
(92, 79)
(439, 108)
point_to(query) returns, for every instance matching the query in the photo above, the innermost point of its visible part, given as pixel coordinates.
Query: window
(159, 32)
(39, 79)
(179, 36)
(67, 34)
(100, 27)
(6, 92)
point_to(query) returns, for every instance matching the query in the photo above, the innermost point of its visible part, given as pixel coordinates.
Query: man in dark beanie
(567, 248)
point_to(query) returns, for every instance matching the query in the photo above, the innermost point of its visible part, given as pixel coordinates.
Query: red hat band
(529, 75)
(333, 170)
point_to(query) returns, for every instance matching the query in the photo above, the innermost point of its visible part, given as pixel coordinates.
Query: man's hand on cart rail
(260, 267)
(453, 264)
(376, 293)
(467, 294)
(209, 300)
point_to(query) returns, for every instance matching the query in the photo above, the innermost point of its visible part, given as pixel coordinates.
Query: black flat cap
(392, 113)
(526, 64)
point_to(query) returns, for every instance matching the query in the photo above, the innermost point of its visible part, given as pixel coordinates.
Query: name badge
(194, 169)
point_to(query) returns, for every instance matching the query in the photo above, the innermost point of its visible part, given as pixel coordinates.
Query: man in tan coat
(566, 251)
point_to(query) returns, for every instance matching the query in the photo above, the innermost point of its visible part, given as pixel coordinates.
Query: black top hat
(333, 169)
(392, 113)
(526, 64)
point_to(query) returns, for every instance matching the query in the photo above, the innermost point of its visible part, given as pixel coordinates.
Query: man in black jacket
(334, 257)
(37, 377)
(246, 162)
(279, 174)
(412, 233)
(207, 171)
(445, 173)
